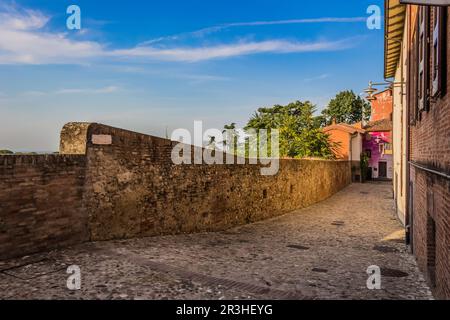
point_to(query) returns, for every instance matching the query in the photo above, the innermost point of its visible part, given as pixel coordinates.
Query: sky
(155, 66)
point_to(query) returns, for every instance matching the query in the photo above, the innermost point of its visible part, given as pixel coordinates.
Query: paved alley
(320, 252)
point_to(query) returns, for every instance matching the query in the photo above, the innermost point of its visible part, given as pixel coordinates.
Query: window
(387, 148)
(423, 22)
(437, 51)
(412, 79)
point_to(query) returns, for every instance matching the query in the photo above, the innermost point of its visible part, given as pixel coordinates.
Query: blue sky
(152, 66)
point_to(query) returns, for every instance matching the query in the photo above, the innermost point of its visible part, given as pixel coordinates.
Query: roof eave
(394, 24)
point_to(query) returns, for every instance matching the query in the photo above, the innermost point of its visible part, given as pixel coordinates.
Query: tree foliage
(300, 132)
(346, 107)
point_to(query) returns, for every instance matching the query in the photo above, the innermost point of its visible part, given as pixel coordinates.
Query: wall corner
(73, 138)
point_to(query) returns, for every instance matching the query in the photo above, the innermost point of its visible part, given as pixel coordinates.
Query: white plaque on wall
(102, 139)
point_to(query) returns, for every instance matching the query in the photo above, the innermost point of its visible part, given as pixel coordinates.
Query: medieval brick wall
(431, 229)
(430, 146)
(122, 184)
(134, 189)
(40, 203)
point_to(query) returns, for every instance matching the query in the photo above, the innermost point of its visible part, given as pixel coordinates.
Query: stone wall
(121, 184)
(40, 203)
(134, 189)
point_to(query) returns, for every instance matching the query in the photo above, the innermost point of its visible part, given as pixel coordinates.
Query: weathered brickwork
(117, 184)
(431, 229)
(134, 189)
(73, 138)
(40, 203)
(430, 146)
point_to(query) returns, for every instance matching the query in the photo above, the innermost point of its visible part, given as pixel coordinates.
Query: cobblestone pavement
(321, 252)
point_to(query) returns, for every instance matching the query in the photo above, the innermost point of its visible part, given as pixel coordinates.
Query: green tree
(6, 152)
(346, 107)
(300, 132)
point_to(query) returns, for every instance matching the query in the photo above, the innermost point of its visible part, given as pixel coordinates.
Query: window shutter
(423, 58)
(410, 88)
(415, 78)
(437, 51)
(412, 79)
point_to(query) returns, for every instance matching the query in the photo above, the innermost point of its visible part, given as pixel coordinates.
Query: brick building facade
(417, 55)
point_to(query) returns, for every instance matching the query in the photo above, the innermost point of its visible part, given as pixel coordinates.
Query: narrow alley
(320, 252)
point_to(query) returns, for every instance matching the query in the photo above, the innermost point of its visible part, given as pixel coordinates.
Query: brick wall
(432, 244)
(121, 184)
(133, 189)
(430, 146)
(40, 203)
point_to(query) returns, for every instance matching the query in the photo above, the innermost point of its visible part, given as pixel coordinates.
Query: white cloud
(43, 48)
(23, 42)
(103, 90)
(109, 89)
(208, 30)
(319, 77)
(278, 22)
(231, 50)
(15, 18)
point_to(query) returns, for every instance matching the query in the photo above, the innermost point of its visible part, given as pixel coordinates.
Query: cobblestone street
(321, 252)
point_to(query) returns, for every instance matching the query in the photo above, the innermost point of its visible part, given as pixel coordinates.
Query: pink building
(377, 143)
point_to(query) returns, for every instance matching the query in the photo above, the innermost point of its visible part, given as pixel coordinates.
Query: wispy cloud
(103, 90)
(204, 31)
(109, 89)
(16, 18)
(194, 54)
(200, 78)
(23, 42)
(319, 77)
